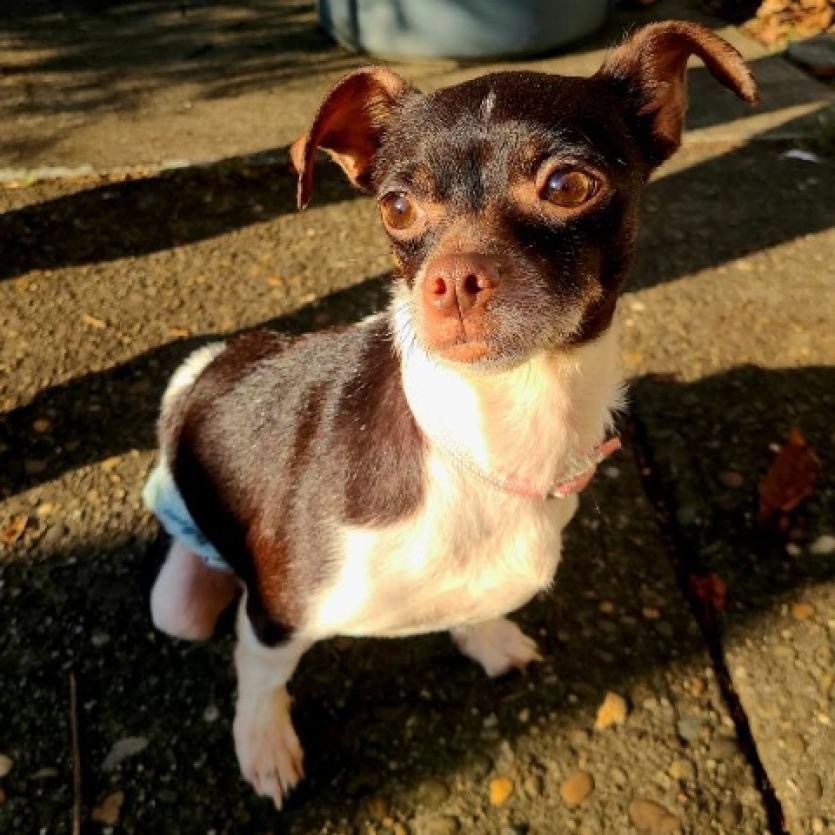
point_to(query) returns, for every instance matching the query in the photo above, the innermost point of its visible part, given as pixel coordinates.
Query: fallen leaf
(711, 590)
(500, 790)
(13, 530)
(107, 812)
(790, 478)
(93, 321)
(612, 711)
(802, 610)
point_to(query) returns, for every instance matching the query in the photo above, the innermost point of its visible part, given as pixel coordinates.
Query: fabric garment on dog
(163, 499)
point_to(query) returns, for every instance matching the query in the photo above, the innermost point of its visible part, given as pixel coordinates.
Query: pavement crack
(687, 564)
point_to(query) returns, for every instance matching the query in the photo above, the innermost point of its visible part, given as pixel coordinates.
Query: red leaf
(711, 590)
(790, 479)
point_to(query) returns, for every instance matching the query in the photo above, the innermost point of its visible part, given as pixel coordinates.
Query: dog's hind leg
(269, 752)
(498, 645)
(188, 597)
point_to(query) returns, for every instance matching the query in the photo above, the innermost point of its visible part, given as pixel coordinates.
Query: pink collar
(580, 474)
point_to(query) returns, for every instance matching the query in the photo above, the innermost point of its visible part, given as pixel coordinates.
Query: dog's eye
(569, 187)
(399, 211)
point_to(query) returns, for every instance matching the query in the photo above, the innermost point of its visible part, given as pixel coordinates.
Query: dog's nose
(456, 283)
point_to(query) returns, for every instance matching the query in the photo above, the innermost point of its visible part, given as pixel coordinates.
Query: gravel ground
(77, 443)
(107, 283)
(720, 388)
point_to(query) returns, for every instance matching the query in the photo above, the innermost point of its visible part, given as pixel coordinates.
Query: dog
(413, 472)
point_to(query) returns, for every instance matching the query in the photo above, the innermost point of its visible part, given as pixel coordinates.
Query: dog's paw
(498, 645)
(269, 752)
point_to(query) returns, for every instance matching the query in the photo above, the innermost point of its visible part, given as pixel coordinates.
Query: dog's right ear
(349, 127)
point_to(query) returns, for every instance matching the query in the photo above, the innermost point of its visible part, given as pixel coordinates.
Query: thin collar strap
(577, 479)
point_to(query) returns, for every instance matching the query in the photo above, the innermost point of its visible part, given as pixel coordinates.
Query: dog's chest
(473, 551)
(467, 556)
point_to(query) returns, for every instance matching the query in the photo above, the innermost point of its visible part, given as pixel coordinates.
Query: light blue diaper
(163, 499)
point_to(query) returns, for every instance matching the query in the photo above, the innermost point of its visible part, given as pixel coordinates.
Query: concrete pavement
(106, 283)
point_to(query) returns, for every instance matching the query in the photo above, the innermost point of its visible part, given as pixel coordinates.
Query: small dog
(414, 472)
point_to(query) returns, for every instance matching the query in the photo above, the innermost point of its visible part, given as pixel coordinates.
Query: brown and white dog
(414, 472)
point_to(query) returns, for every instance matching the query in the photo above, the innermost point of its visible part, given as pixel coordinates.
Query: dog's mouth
(466, 351)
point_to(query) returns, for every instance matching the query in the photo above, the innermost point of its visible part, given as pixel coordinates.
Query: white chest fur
(472, 552)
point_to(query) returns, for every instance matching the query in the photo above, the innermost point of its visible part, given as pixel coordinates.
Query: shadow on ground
(382, 717)
(108, 54)
(139, 216)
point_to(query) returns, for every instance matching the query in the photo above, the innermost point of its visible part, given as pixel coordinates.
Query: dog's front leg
(268, 749)
(499, 645)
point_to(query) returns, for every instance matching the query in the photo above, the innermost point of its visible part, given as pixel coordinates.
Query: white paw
(498, 645)
(268, 749)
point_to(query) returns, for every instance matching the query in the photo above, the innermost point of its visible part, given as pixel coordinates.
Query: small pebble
(823, 546)
(682, 770)
(432, 792)
(34, 467)
(618, 776)
(211, 713)
(651, 613)
(697, 686)
(576, 788)
(124, 748)
(802, 610)
(533, 785)
(612, 711)
(6, 764)
(723, 748)
(732, 479)
(41, 425)
(730, 814)
(500, 790)
(793, 549)
(652, 818)
(99, 638)
(688, 728)
(378, 807)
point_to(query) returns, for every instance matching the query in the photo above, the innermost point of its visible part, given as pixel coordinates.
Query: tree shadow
(140, 216)
(108, 54)
(731, 206)
(106, 413)
(381, 718)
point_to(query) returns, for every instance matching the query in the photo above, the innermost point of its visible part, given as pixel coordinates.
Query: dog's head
(511, 200)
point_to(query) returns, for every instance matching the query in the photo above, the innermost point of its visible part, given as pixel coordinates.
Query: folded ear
(349, 126)
(651, 66)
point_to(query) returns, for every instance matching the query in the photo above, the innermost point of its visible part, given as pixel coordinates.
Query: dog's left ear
(650, 67)
(349, 126)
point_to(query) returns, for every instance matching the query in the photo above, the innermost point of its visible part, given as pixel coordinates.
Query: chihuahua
(414, 472)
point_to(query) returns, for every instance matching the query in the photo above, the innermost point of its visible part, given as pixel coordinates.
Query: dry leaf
(13, 530)
(107, 812)
(790, 478)
(612, 711)
(93, 321)
(711, 590)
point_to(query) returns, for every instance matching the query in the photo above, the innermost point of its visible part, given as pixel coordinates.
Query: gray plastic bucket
(459, 28)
